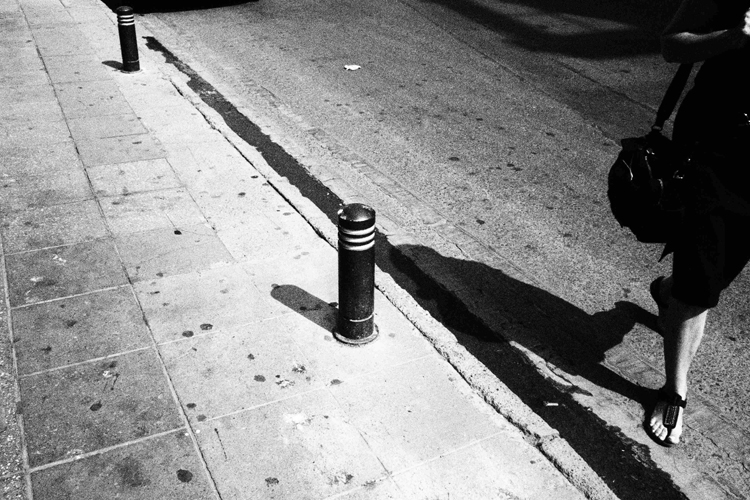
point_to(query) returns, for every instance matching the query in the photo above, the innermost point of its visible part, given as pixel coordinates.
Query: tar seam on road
(614, 454)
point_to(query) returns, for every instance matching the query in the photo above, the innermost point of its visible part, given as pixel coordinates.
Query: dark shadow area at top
(636, 24)
(558, 332)
(151, 6)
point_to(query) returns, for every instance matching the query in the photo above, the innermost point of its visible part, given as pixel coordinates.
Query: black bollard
(128, 44)
(356, 275)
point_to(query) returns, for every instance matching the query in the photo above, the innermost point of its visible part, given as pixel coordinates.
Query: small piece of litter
(352, 67)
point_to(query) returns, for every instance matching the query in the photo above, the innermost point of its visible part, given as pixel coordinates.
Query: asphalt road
(502, 117)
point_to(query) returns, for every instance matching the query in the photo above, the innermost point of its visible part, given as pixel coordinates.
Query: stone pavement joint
(167, 313)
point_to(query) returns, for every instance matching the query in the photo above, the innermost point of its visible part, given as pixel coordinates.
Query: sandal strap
(672, 411)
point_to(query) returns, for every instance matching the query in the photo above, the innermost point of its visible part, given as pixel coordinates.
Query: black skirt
(711, 246)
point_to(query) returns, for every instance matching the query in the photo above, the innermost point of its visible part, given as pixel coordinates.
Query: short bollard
(356, 275)
(128, 44)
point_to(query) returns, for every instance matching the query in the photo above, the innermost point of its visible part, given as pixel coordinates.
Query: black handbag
(644, 182)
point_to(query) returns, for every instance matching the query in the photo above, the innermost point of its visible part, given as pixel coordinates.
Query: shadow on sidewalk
(632, 26)
(561, 334)
(307, 305)
(579, 338)
(151, 6)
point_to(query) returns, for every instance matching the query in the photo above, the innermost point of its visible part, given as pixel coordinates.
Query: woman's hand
(684, 40)
(746, 29)
(743, 36)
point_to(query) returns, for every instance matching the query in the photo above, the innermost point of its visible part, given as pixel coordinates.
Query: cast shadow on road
(632, 26)
(540, 321)
(561, 334)
(152, 6)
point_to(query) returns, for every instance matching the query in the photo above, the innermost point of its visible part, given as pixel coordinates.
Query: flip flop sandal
(671, 412)
(655, 288)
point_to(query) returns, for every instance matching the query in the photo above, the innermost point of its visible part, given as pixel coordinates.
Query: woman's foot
(665, 424)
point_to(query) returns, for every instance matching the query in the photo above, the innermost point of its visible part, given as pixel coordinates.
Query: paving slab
(143, 89)
(17, 43)
(244, 223)
(132, 177)
(29, 133)
(290, 449)
(309, 264)
(63, 271)
(104, 127)
(48, 18)
(11, 18)
(499, 468)
(13, 488)
(76, 68)
(76, 329)
(91, 98)
(163, 252)
(61, 40)
(18, 78)
(176, 124)
(89, 15)
(168, 208)
(225, 372)
(28, 192)
(90, 406)
(311, 326)
(123, 149)
(40, 160)
(11, 42)
(51, 226)
(9, 8)
(227, 199)
(21, 61)
(19, 115)
(211, 160)
(192, 304)
(253, 238)
(165, 467)
(430, 412)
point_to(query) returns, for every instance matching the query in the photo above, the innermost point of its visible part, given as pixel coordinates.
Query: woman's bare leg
(683, 327)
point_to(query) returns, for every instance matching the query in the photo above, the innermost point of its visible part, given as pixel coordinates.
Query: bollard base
(367, 330)
(130, 68)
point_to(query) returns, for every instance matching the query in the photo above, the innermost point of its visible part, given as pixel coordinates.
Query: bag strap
(669, 101)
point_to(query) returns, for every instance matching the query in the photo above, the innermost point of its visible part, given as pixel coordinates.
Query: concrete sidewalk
(165, 327)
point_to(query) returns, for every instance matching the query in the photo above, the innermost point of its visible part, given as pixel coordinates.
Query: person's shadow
(540, 321)
(630, 29)
(556, 331)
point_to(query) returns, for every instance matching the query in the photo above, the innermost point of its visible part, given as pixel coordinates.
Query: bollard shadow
(113, 64)
(595, 28)
(307, 305)
(152, 6)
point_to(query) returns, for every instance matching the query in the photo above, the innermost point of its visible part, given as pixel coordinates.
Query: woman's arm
(683, 42)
